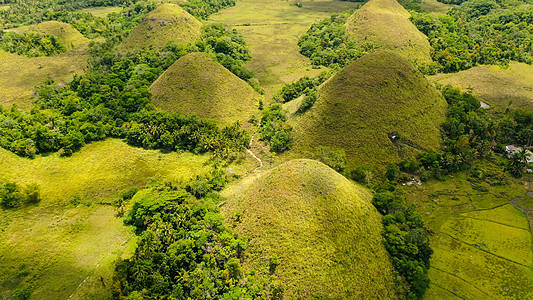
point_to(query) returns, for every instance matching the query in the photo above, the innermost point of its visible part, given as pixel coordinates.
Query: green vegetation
(184, 250)
(203, 8)
(195, 84)
(327, 44)
(479, 32)
(302, 86)
(167, 23)
(312, 229)
(275, 130)
(31, 44)
(379, 109)
(13, 196)
(385, 24)
(471, 135)
(406, 240)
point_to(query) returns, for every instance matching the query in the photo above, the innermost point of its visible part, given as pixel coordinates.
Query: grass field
(322, 228)
(196, 84)
(482, 242)
(495, 85)
(434, 6)
(271, 29)
(102, 12)
(359, 108)
(73, 233)
(20, 74)
(386, 24)
(166, 23)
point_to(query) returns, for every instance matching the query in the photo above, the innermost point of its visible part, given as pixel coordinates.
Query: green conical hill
(322, 228)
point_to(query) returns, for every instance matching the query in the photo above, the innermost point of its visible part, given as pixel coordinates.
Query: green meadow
(67, 245)
(102, 11)
(271, 29)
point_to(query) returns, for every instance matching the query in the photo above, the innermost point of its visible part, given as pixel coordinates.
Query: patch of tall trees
(184, 249)
(31, 44)
(327, 44)
(479, 32)
(406, 240)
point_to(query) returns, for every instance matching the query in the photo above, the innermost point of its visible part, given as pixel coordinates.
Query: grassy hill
(322, 228)
(196, 84)
(67, 35)
(360, 108)
(495, 85)
(386, 24)
(166, 23)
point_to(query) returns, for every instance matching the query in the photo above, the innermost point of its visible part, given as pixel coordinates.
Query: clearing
(271, 29)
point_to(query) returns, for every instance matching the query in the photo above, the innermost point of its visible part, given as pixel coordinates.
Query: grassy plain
(102, 12)
(434, 6)
(378, 96)
(196, 84)
(482, 241)
(271, 29)
(20, 74)
(68, 243)
(495, 85)
(386, 24)
(167, 23)
(322, 228)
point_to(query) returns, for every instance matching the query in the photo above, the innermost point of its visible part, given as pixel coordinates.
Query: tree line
(112, 99)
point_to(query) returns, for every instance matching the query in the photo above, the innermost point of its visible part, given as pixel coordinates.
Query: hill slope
(386, 24)
(166, 23)
(196, 84)
(66, 34)
(495, 85)
(360, 108)
(323, 229)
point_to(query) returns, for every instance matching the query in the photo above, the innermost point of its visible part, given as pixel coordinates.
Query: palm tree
(519, 162)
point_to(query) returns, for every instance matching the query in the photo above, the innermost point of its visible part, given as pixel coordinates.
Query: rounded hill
(321, 229)
(196, 84)
(386, 24)
(379, 109)
(167, 23)
(67, 35)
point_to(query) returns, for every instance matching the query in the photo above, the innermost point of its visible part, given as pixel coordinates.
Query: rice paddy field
(482, 240)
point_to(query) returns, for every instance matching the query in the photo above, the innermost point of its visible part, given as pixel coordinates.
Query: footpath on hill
(271, 29)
